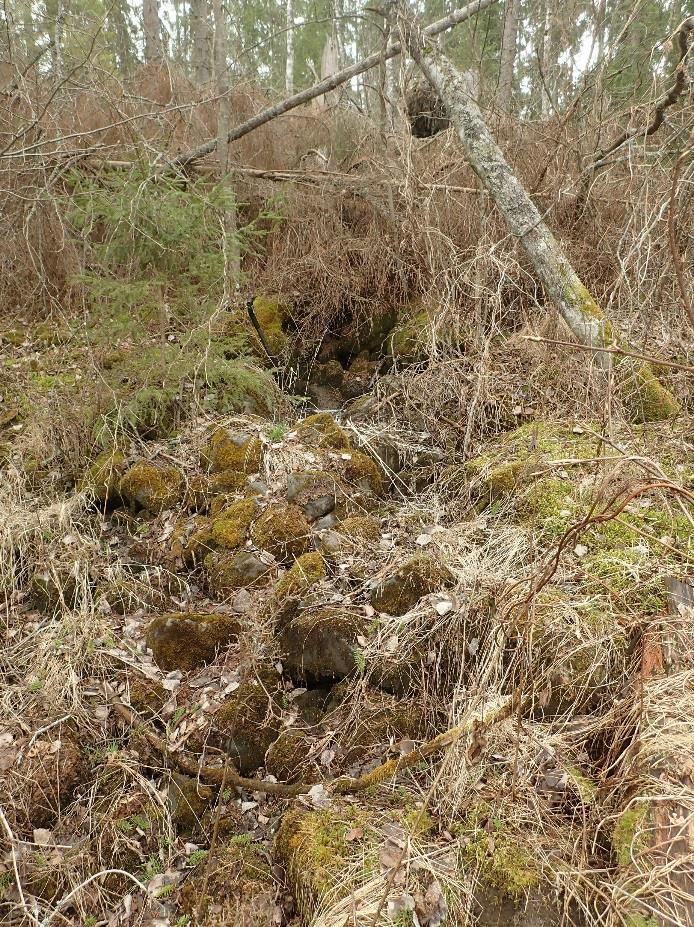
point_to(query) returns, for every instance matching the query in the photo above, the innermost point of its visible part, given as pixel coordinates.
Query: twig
(659, 361)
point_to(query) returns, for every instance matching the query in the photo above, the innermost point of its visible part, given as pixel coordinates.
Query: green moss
(242, 453)
(503, 863)
(322, 430)
(363, 473)
(230, 528)
(152, 487)
(270, 314)
(360, 528)
(587, 788)
(229, 571)
(547, 508)
(399, 592)
(639, 920)
(246, 723)
(185, 640)
(644, 396)
(287, 757)
(409, 341)
(283, 531)
(630, 835)
(305, 572)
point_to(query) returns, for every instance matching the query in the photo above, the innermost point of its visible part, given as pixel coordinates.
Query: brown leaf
(432, 909)
(354, 833)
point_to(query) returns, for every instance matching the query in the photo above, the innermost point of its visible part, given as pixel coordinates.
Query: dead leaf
(400, 904)
(354, 833)
(432, 909)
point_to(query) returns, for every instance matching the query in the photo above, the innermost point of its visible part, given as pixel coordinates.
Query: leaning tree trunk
(644, 395)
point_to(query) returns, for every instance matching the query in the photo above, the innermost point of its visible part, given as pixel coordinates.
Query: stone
(227, 572)
(283, 531)
(186, 640)
(288, 757)
(153, 487)
(245, 724)
(230, 527)
(188, 800)
(313, 491)
(238, 452)
(399, 592)
(102, 479)
(318, 645)
(305, 572)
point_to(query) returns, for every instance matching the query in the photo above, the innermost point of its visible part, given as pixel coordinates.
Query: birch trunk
(509, 45)
(644, 396)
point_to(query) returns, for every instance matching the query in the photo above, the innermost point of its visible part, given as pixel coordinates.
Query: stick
(325, 86)
(658, 361)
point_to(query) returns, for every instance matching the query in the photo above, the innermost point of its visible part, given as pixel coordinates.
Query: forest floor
(199, 567)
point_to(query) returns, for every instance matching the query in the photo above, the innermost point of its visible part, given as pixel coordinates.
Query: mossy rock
(283, 531)
(186, 640)
(321, 430)
(357, 380)
(246, 723)
(319, 644)
(227, 572)
(313, 491)
(147, 696)
(380, 723)
(363, 473)
(287, 758)
(192, 543)
(548, 507)
(198, 493)
(271, 315)
(306, 571)
(227, 482)
(102, 479)
(152, 487)
(238, 886)
(644, 396)
(417, 577)
(54, 589)
(360, 528)
(409, 342)
(240, 453)
(188, 801)
(231, 526)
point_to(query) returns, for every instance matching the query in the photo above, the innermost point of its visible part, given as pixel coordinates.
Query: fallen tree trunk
(330, 83)
(644, 396)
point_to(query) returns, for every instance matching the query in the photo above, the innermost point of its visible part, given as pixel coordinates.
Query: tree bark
(509, 45)
(201, 56)
(289, 75)
(154, 48)
(232, 257)
(644, 396)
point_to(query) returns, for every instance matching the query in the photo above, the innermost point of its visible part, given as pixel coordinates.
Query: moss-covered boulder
(270, 311)
(102, 479)
(188, 801)
(321, 430)
(409, 342)
(225, 484)
(247, 722)
(362, 473)
(313, 491)
(230, 527)
(359, 376)
(305, 572)
(153, 487)
(186, 640)
(319, 644)
(402, 589)
(147, 696)
(238, 452)
(192, 541)
(288, 758)
(232, 888)
(227, 572)
(360, 528)
(644, 396)
(283, 531)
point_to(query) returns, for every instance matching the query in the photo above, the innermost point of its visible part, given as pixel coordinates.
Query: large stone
(102, 479)
(399, 592)
(227, 572)
(283, 531)
(153, 487)
(319, 644)
(236, 452)
(186, 640)
(245, 724)
(313, 491)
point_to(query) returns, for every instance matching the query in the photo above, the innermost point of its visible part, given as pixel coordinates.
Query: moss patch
(305, 572)
(362, 472)
(229, 529)
(319, 644)
(102, 479)
(360, 528)
(228, 572)
(245, 724)
(241, 453)
(630, 835)
(644, 396)
(321, 430)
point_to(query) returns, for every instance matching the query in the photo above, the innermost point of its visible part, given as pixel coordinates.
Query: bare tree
(154, 48)
(645, 396)
(289, 77)
(201, 56)
(232, 258)
(509, 47)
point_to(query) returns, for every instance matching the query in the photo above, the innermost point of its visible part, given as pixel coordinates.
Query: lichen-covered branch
(645, 397)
